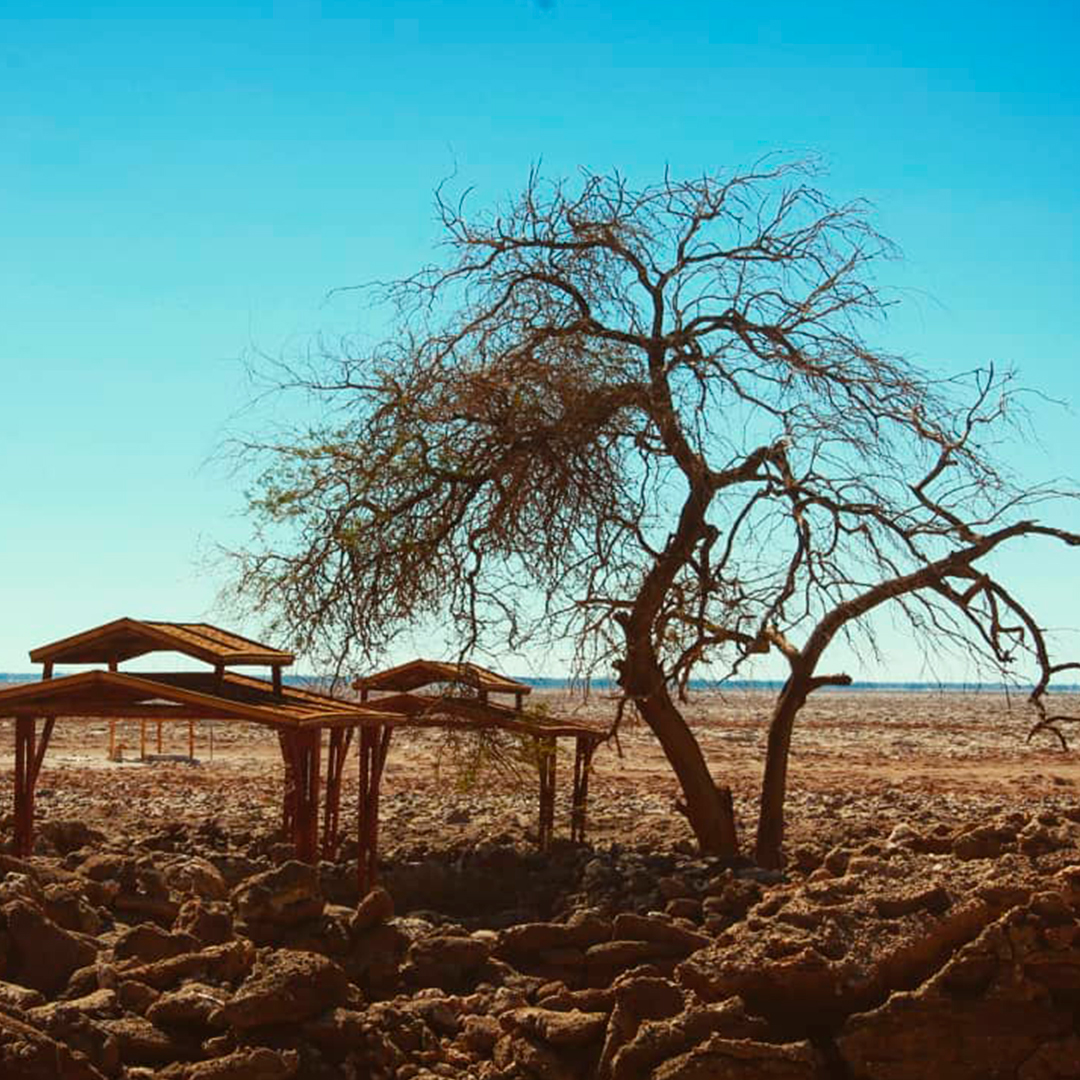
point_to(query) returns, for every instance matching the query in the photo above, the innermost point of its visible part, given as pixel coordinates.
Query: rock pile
(920, 953)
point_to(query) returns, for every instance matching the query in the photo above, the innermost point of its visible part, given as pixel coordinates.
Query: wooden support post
(519, 700)
(288, 806)
(159, 738)
(191, 740)
(112, 738)
(306, 751)
(545, 748)
(277, 679)
(29, 756)
(340, 740)
(374, 744)
(582, 764)
(47, 670)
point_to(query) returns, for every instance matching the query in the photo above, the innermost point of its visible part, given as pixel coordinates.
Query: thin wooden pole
(582, 765)
(26, 760)
(288, 804)
(306, 755)
(159, 738)
(340, 740)
(112, 738)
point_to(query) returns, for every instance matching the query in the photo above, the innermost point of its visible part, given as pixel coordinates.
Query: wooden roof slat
(417, 673)
(125, 638)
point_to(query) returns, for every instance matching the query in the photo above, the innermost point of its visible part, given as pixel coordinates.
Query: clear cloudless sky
(180, 191)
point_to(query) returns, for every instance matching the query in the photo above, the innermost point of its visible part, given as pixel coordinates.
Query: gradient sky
(180, 192)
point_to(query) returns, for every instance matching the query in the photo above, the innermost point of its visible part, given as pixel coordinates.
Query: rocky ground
(927, 924)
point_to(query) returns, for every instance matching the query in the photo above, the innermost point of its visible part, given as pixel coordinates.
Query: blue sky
(178, 192)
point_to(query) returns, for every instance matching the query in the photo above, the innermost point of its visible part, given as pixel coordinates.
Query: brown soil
(864, 756)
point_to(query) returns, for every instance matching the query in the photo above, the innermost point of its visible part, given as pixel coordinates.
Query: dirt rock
(149, 942)
(559, 1029)
(633, 1048)
(67, 836)
(43, 956)
(279, 898)
(284, 987)
(13, 996)
(528, 939)
(989, 1010)
(192, 876)
(374, 909)
(209, 922)
(217, 963)
(375, 960)
(449, 963)
(141, 1043)
(248, 1064)
(189, 1006)
(28, 1054)
(632, 927)
(742, 1059)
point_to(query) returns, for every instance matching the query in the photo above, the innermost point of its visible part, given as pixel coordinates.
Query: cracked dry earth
(927, 923)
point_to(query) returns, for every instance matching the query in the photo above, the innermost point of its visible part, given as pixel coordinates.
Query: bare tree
(648, 419)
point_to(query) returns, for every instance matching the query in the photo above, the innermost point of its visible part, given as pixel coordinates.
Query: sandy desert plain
(927, 923)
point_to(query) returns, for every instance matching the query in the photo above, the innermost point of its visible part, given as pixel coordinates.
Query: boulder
(559, 1029)
(210, 922)
(284, 987)
(528, 939)
(192, 876)
(632, 927)
(742, 1059)
(986, 1012)
(189, 1006)
(149, 942)
(43, 955)
(28, 1054)
(449, 963)
(216, 963)
(249, 1064)
(375, 908)
(283, 897)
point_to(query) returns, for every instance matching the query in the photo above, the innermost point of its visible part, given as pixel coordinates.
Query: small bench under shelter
(455, 696)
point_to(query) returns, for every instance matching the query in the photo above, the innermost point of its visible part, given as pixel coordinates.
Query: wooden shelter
(464, 704)
(300, 716)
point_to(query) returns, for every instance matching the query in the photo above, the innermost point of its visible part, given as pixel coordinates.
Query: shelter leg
(340, 739)
(582, 764)
(288, 809)
(374, 744)
(29, 755)
(159, 738)
(112, 739)
(306, 754)
(191, 740)
(546, 752)
(142, 740)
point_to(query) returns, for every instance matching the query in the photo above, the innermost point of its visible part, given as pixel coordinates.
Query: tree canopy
(650, 420)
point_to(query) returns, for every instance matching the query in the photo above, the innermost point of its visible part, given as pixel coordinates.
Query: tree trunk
(770, 835)
(708, 807)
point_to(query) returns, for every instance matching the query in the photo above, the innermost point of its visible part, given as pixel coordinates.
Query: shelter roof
(418, 673)
(125, 638)
(183, 695)
(429, 710)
